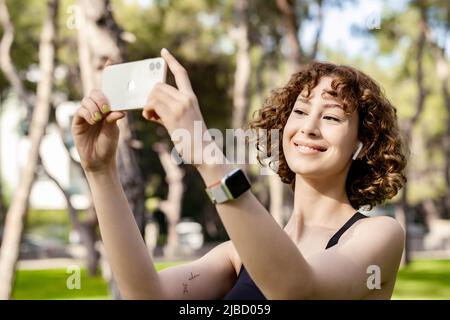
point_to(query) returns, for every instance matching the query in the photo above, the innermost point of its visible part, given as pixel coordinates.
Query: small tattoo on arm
(185, 289)
(192, 277)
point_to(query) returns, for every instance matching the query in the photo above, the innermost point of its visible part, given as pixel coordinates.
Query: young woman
(340, 149)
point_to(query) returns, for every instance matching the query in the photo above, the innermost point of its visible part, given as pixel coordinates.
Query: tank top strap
(335, 238)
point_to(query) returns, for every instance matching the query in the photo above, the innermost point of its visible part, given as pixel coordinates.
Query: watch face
(237, 183)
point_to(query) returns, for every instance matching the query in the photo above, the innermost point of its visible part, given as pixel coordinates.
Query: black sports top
(246, 289)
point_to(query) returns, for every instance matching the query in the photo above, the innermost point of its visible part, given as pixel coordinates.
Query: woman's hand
(96, 133)
(178, 109)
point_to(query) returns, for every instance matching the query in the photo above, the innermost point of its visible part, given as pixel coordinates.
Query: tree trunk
(243, 66)
(291, 28)
(85, 229)
(443, 73)
(102, 36)
(410, 123)
(276, 187)
(172, 205)
(17, 85)
(88, 228)
(99, 39)
(15, 217)
(315, 47)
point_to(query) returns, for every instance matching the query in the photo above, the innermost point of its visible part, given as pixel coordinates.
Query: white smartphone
(127, 85)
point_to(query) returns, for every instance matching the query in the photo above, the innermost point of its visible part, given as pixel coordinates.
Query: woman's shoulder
(386, 223)
(379, 230)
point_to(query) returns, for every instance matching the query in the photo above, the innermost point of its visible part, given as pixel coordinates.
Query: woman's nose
(310, 126)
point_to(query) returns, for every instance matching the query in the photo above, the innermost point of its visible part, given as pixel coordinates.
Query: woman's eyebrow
(302, 99)
(333, 105)
(326, 106)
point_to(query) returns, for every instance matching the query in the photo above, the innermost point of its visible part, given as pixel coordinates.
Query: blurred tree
(19, 205)
(187, 29)
(172, 205)
(410, 82)
(240, 33)
(294, 13)
(100, 38)
(412, 121)
(437, 33)
(19, 84)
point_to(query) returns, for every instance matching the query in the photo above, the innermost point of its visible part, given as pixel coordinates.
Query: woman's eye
(332, 118)
(299, 111)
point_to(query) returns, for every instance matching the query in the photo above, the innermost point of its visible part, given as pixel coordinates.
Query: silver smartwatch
(229, 187)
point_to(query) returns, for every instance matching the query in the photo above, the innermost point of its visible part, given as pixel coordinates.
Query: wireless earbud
(360, 145)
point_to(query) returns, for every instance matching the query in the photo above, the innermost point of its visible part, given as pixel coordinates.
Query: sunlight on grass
(424, 279)
(51, 284)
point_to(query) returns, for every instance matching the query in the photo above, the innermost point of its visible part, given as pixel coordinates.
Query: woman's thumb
(114, 116)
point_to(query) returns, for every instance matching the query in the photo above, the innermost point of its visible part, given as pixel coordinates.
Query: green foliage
(26, 17)
(49, 224)
(394, 66)
(198, 33)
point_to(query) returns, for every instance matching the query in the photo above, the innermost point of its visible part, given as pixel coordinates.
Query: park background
(236, 52)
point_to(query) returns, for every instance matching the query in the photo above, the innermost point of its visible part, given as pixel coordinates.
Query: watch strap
(219, 192)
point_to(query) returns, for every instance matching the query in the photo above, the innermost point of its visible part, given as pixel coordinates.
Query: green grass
(51, 284)
(422, 279)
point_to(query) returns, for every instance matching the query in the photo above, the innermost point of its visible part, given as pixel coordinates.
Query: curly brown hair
(378, 175)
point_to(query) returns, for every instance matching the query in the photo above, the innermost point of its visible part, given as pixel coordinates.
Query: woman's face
(320, 122)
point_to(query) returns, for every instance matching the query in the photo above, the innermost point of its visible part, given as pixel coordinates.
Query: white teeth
(305, 148)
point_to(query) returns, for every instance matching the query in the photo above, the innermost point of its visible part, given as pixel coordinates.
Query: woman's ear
(355, 155)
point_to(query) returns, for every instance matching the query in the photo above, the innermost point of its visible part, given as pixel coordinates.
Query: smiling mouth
(308, 149)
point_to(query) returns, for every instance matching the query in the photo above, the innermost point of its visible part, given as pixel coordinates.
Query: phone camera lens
(158, 65)
(152, 66)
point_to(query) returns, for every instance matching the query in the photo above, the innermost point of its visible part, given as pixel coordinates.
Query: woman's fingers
(170, 91)
(150, 114)
(107, 63)
(92, 107)
(82, 116)
(180, 73)
(158, 106)
(114, 116)
(152, 109)
(100, 100)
